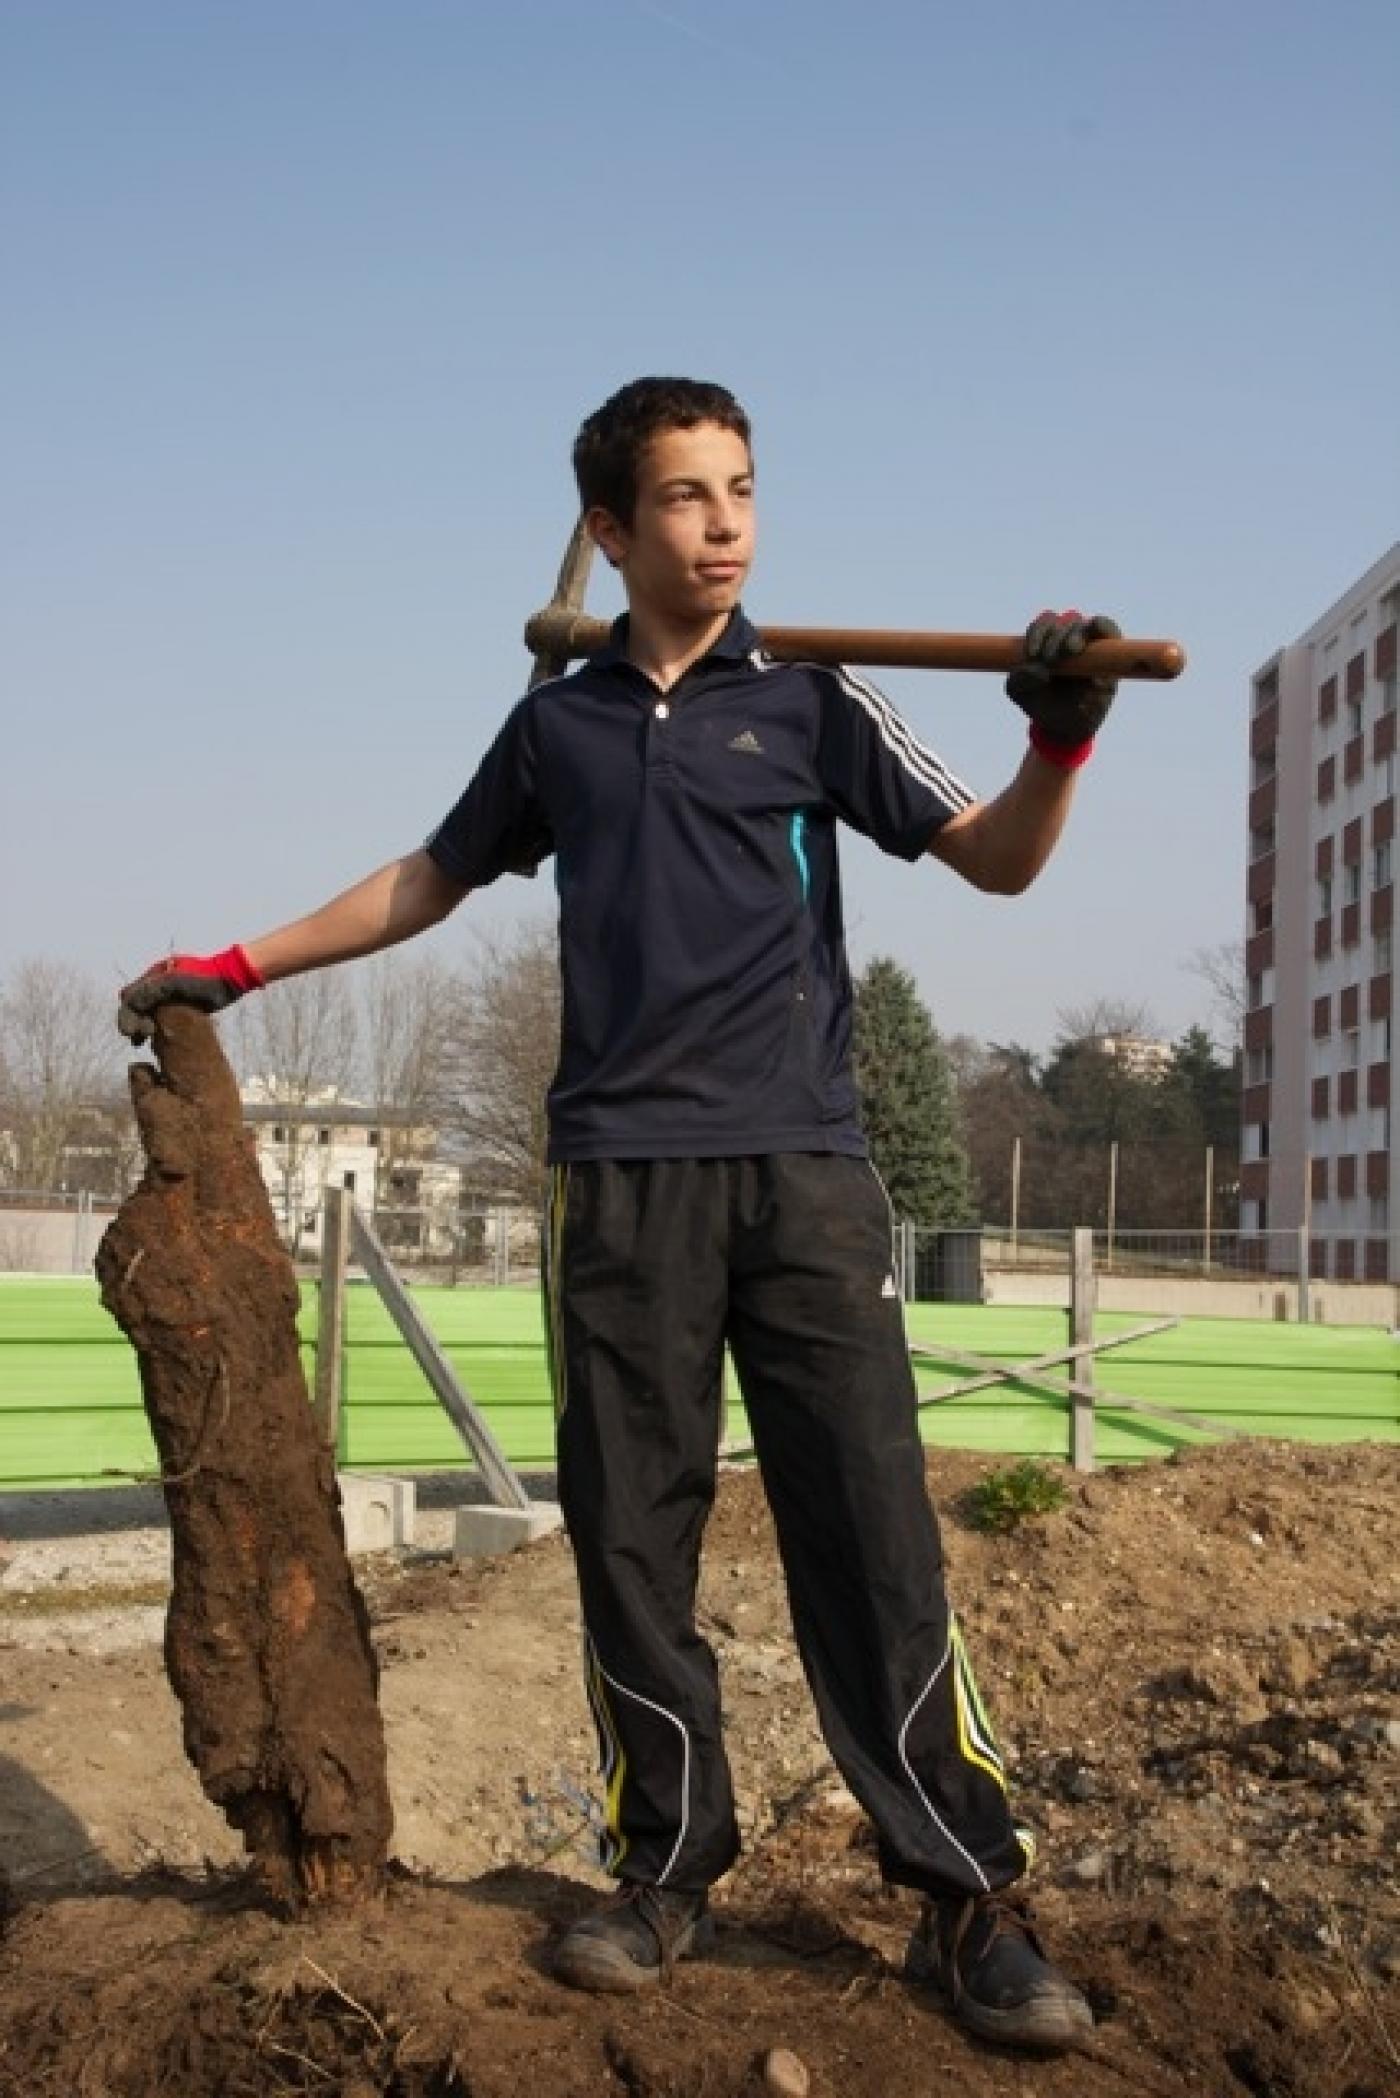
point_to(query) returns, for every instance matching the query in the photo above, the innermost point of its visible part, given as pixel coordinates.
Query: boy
(710, 1184)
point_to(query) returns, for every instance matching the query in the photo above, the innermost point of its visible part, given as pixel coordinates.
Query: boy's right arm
(390, 905)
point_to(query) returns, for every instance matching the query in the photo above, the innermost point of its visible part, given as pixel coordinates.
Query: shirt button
(663, 712)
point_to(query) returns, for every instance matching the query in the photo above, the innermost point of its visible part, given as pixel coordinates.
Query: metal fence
(1187, 1252)
(50, 1234)
(44, 1233)
(964, 1266)
(497, 1246)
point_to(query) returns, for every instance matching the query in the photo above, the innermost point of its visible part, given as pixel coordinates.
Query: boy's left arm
(1001, 845)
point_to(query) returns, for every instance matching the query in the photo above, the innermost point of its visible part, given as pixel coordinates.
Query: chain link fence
(1284, 1273)
(50, 1234)
(482, 1246)
(497, 1246)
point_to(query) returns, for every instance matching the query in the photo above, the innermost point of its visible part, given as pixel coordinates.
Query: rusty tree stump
(267, 1640)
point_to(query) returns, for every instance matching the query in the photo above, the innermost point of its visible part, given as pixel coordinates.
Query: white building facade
(389, 1163)
(1317, 1137)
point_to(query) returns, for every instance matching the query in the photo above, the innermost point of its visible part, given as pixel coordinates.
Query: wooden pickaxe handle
(561, 635)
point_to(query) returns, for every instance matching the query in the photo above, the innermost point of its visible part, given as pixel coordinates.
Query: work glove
(208, 982)
(1066, 713)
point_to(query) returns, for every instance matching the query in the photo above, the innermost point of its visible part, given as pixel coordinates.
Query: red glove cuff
(1067, 756)
(234, 964)
(231, 965)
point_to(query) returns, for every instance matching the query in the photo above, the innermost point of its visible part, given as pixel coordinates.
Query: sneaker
(981, 1952)
(634, 1940)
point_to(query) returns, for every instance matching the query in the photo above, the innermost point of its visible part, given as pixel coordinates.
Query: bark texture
(267, 1640)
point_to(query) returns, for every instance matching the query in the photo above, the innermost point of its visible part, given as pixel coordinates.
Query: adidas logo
(748, 741)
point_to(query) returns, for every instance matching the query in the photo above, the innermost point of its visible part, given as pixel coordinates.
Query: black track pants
(649, 1266)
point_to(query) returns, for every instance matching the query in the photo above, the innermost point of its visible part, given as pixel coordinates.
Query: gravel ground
(115, 1540)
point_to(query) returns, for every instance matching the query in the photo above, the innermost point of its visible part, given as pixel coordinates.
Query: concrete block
(484, 1531)
(378, 1512)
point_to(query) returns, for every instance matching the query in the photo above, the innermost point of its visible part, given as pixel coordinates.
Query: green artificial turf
(70, 1406)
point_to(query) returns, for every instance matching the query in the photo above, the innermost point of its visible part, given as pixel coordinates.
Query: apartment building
(1140, 1055)
(1317, 1139)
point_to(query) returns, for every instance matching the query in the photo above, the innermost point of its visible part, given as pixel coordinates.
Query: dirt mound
(1196, 1671)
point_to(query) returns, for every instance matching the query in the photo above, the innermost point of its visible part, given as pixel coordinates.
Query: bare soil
(1196, 1671)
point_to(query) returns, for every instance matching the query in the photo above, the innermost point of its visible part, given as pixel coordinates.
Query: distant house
(391, 1162)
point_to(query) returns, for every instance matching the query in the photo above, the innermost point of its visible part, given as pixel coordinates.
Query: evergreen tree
(908, 1100)
(1211, 1083)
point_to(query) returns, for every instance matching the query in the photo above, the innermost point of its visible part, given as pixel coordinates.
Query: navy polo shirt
(706, 995)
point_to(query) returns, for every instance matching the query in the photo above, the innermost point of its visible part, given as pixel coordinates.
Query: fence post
(1210, 1194)
(1304, 1278)
(1112, 1203)
(330, 1314)
(1082, 1293)
(1015, 1194)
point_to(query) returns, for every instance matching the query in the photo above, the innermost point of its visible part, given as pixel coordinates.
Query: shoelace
(645, 1900)
(1008, 1915)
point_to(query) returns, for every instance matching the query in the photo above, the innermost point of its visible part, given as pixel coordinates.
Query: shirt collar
(735, 645)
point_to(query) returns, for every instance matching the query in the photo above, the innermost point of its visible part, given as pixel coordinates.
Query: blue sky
(305, 299)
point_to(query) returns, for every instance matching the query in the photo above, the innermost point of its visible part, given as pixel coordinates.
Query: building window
(1261, 915)
(1380, 953)
(1380, 1213)
(1259, 1065)
(323, 1136)
(1390, 696)
(1261, 841)
(1380, 865)
(1351, 883)
(1355, 717)
(278, 1134)
(374, 1140)
(1324, 895)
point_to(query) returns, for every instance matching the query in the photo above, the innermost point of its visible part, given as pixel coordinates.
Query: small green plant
(1007, 1498)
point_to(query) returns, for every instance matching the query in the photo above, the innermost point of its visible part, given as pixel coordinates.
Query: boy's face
(690, 543)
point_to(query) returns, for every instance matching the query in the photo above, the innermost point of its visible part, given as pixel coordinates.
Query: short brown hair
(610, 443)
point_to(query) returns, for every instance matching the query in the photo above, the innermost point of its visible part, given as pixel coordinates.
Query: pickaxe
(563, 631)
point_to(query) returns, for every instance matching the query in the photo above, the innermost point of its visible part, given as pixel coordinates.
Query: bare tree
(504, 1019)
(1105, 1016)
(968, 1060)
(1221, 970)
(405, 1031)
(406, 1009)
(295, 1045)
(59, 1069)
